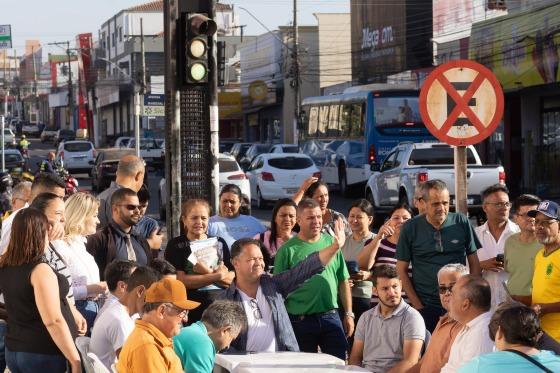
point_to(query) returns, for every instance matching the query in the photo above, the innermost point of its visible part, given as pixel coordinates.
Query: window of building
(120, 33)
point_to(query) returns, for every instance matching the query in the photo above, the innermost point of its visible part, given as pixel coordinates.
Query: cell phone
(500, 258)
(352, 266)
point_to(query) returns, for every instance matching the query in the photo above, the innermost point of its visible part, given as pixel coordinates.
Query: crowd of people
(426, 293)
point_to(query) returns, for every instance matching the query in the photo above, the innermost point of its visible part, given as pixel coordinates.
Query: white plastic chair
(91, 362)
(98, 366)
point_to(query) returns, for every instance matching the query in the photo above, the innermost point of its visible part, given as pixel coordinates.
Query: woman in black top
(41, 328)
(207, 282)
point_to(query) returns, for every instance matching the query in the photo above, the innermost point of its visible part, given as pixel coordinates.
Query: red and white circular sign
(461, 102)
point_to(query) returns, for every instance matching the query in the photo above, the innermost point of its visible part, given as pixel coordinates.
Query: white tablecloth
(278, 362)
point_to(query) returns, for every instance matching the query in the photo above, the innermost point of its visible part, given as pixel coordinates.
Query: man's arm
(544, 308)
(357, 354)
(474, 264)
(411, 354)
(345, 296)
(402, 270)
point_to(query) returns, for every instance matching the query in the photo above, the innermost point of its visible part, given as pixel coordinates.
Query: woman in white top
(81, 221)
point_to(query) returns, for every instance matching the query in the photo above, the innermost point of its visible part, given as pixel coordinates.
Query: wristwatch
(350, 314)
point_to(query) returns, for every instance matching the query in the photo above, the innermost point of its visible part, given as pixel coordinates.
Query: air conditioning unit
(496, 5)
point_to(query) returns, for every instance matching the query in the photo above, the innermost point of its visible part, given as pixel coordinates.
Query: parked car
(230, 173)
(15, 163)
(76, 155)
(274, 176)
(63, 135)
(104, 168)
(226, 145)
(122, 142)
(48, 134)
(9, 137)
(252, 152)
(407, 164)
(239, 149)
(284, 148)
(150, 151)
(30, 129)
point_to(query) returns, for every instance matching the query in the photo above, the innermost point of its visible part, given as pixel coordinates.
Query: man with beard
(429, 242)
(390, 336)
(118, 240)
(546, 277)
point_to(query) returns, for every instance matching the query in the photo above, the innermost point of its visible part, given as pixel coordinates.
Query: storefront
(522, 50)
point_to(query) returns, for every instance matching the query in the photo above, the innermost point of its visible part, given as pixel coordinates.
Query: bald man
(130, 174)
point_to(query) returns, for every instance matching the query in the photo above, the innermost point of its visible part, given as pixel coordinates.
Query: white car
(76, 155)
(230, 173)
(278, 175)
(9, 137)
(284, 148)
(122, 142)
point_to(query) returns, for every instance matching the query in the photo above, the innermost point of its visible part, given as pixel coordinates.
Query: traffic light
(198, 30)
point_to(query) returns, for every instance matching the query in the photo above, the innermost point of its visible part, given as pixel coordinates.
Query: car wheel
(261, 203)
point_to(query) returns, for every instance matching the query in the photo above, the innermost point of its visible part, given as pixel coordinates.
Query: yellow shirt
(148, 350)
(546, 289)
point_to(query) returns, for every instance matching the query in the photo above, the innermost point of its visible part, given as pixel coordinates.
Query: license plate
(470, 201)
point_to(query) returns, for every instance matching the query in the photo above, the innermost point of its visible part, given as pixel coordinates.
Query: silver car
(76, 155)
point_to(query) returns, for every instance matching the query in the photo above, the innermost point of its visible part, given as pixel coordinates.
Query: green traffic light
(198, 71)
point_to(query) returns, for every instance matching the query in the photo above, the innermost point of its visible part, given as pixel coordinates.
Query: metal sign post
(461, 103)
(2, 146)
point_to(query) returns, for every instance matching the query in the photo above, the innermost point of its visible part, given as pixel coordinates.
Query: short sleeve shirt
(195, 349)
(505, 361)
(546, 289)
(319, 293)
(242, 226)
(419, 244)
(384, 337)
(519, 263)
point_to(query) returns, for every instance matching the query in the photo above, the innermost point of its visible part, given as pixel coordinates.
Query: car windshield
(228, 165)
(77, 146)
(290, 149)
(290, 163)
(9, 158)
(436, 156)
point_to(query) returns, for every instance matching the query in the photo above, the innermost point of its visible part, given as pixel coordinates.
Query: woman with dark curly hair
(515, 328)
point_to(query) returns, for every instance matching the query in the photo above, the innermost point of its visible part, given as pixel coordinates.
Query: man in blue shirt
(196, 345)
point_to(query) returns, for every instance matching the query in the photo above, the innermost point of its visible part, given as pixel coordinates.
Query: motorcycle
(70, 182)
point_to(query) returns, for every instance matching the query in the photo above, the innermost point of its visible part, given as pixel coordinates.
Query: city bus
(345, 133)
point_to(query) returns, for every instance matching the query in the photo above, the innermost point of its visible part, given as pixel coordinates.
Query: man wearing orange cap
(149, 347)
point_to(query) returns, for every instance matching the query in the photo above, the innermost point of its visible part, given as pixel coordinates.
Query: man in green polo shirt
(429, 242)
(313, 306)
(196, 345)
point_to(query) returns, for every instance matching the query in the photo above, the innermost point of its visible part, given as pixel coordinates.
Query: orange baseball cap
(172, 291)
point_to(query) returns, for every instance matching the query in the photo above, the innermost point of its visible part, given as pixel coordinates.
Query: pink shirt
(272, 249)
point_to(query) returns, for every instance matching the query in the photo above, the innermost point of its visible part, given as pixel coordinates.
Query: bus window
(313, 121)
(332, 130)
(345, 114)
(356, 121)
(323, 121)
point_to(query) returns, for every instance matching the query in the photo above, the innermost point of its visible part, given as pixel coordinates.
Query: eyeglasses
(499, 204)
(256, 310)
(437, 238)
(544, 223)
(178, 311)
(444, 289)
(131, 207)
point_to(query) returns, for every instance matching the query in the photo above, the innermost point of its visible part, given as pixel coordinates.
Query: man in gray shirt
(390, 336)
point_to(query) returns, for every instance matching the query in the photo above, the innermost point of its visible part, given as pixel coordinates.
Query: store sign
(5, 36)
(521, 49)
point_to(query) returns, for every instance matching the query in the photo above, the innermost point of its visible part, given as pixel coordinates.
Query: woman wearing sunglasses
(383, 247)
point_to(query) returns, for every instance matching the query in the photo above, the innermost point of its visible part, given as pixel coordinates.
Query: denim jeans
(88, 309)
(320, 330)
(3, 328)
(29, 362)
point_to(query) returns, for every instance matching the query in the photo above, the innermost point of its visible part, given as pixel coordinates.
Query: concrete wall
(334, 51)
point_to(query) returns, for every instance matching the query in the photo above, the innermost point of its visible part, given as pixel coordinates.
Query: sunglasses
(131, 207)
(444, 289)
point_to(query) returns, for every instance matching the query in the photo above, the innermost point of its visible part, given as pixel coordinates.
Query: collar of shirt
(510, 228)
(119, 231)
(159, 337)
(396, 312)
(479, 321)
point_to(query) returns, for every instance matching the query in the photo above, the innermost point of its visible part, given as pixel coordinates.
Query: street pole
(137, 122)
(70, 88)
(214, 117)
(34, 83)
(460, 164)
(295, 80)
(2, 146)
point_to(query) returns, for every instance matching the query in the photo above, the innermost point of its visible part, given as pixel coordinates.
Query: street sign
(461, 102)
(5, 36)
(154, 105)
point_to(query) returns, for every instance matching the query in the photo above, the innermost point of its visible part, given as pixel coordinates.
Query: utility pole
(3, 124)
(70, 88)
(34, 84)
(295, 80)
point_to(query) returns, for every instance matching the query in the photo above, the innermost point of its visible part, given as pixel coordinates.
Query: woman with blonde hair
(81, 221)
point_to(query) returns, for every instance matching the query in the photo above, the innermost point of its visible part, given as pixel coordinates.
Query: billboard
(521, 49)
(388, 38)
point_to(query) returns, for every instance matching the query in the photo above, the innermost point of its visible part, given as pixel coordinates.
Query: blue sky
(60, 20)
